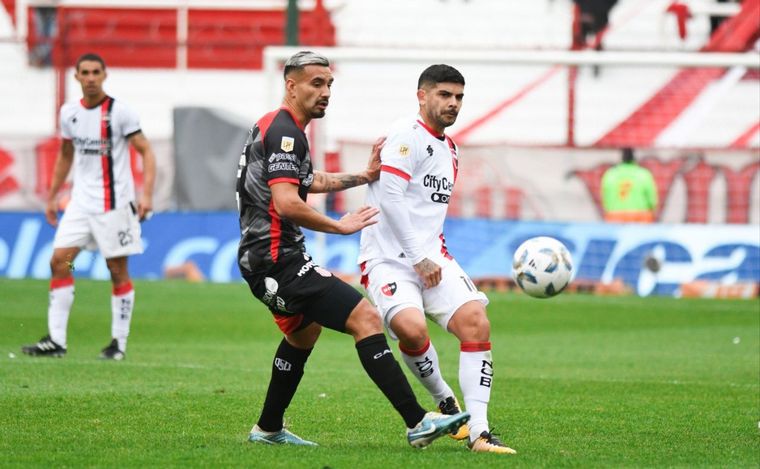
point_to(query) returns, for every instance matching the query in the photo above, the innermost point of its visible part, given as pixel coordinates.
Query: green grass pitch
(580, 381)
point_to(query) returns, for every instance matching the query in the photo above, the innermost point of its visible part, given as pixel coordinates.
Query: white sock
(59, 307)
(424, 364)
(475, 379)
(122, 304)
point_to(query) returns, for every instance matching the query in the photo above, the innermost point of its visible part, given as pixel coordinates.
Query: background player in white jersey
(406, 267)
(102, 214)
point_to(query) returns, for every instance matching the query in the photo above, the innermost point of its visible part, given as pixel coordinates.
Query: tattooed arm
(333, 182)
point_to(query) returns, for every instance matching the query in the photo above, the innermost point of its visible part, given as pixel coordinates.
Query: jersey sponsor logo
(429, 150)
(389, 289)
(403, 149)
(282, 166)
(282, 157)
(437, 183)
(440, 198)
(287, 144)
(308, 181)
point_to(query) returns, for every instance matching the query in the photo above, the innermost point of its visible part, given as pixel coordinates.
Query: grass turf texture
(580, 381)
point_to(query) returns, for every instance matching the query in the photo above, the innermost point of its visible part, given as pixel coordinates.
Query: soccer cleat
(488, 443)
(282, 437)
(450, 406)
(44, 348)
(112, 352)
(434, 425)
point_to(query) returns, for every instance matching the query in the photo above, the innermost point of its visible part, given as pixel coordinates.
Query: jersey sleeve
(63, 118)
(284, 154)
(398, 155)
(398, 161)
(128, 120)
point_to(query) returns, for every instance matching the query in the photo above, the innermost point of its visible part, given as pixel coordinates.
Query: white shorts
(115, 233)
(393, 286)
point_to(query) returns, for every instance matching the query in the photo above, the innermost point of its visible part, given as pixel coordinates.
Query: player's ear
(421, 96)
(290, 85)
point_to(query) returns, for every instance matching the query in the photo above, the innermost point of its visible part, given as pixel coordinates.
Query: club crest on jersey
(287, 143)
(403, 149)
(389, 289)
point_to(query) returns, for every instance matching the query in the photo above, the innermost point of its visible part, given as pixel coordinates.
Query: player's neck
(95, 100)
(438, 132)
(302, 118)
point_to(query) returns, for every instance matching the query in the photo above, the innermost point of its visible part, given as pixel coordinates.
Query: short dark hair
(301, 59)
(92, 57)
(628, 156)
(439, 73)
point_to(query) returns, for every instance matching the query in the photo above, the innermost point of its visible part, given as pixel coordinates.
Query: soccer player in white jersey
(102, 213)
(406, 267)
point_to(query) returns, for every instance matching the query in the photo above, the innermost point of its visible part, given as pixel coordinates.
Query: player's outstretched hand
(353, 222)
(429, 272)
(51, 212)
(373, 167)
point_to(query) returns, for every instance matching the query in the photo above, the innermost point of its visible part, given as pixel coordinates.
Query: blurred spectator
(45, 27)
(593, 18)
(629, 193)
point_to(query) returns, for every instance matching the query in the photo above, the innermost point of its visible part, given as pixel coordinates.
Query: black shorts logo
(389, 289)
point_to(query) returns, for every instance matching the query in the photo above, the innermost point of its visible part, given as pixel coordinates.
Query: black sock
(382, 367)
(287, 370)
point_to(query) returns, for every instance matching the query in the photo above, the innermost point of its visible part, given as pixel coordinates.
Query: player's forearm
(396, 214)
(60, 172)
(334, 182)
(149, 173)
(303, 215)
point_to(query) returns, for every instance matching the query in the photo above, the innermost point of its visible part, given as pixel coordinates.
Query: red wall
(131, 37)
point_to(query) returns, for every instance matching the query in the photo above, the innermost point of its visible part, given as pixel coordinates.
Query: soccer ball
(542, 266)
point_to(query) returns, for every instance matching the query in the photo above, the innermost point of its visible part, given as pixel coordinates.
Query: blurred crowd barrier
(656, 259)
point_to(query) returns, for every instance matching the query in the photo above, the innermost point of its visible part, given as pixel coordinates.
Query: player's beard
(447, 119)
(317, 112)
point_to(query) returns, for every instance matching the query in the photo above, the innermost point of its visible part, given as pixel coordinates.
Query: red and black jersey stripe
(106, 154)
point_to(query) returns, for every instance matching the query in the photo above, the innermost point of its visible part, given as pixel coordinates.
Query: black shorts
(299, 292)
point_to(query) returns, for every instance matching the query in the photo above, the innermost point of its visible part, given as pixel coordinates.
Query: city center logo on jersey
(287, 143)
(92, 146)
(389, 289)
(442, 187)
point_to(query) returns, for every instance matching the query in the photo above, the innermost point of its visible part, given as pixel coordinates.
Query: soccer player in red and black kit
(274, 177)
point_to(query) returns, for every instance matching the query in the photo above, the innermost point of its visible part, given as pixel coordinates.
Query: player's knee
(471, 324)
(60, 266)
(364, 321)
(305, 338)
(412, 336)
